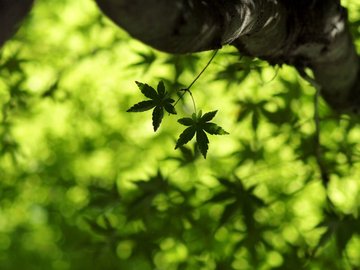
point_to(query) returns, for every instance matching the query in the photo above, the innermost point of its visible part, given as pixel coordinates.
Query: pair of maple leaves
(197, 125)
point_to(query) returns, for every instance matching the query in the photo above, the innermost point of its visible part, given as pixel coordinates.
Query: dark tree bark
(302, 33)
(12, 13)
(306, 34)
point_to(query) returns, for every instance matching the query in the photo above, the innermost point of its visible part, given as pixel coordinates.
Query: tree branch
(174, 26)
(11, 14)
(307, 33)
(184, 26)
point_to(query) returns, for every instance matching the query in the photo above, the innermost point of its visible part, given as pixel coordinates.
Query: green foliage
(85, 185)
(159, 100)
(237, 70)
(147, 59)
(197, 125)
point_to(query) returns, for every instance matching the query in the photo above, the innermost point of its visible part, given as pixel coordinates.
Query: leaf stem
(202, 71)
(194, 81)
(193, 101)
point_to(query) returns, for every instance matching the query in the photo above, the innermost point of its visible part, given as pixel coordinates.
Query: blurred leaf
(229, 211)
(255, 120)
(341, 227)
(237, 71)
(248, 152)
(103, 197)
(188, 156)
(147, 59)
(182, 63)
(95, 227)
(13, 64)
(242, 201)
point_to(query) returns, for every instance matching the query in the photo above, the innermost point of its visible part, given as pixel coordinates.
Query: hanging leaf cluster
(158, 100)
(197, 125)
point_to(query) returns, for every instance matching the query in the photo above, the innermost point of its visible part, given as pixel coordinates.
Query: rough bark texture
(170, 26)
(307, 33)
(11, 14)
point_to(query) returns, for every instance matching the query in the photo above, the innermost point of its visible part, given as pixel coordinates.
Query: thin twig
(185, 90)
(193, 101)
(202, 71)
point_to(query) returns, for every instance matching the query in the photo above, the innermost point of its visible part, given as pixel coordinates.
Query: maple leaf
(199, 125)
(158, 100)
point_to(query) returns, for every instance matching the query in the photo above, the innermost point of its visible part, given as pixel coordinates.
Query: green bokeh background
(85, 185)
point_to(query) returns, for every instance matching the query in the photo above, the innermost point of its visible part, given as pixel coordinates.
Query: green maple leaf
(158, 100)
(199, 125)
